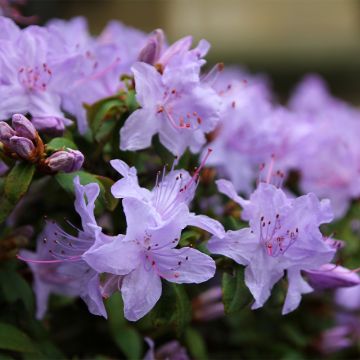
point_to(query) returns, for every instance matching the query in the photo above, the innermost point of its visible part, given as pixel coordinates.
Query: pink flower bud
(65, 160)
(330, 276)
(150, 53)
(6, 132)
(22, 146)
(23, 127)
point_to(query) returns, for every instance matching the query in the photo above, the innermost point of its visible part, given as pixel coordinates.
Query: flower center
(275, 239)
(35, 78)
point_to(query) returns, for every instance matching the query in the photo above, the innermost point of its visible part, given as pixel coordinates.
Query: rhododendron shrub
(155, 206)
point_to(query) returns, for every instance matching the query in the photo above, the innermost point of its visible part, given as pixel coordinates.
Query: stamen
(71, 258)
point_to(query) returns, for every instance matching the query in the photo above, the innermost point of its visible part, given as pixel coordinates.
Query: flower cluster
(287, 172)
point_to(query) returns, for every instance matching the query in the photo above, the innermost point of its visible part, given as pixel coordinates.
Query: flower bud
(65, 160)
(6, 132)
(51, 125)
(152, 49)
(22, 147)
(330, 276)
(23, 127)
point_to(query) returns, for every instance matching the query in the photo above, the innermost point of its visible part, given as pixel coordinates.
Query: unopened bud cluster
(21, 141)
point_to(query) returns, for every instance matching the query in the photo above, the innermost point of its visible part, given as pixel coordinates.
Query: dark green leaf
(183, 312)
(103, 111)
(66, 181)
(16, 185)
(14, 339)
(195, 344)
(14, 287)
(235, 293)
(125, 336)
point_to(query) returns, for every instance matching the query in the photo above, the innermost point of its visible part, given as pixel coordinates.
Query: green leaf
(183, 310)
(103, 111)
(66, 181)
(109, 200)
(16, 185)
(235, 293)
(14, 339)
(14, 287)
(195, 344)
(60, 143)
(125, 336)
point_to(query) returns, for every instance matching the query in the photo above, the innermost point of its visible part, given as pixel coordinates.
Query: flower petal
(185, 265)
(227, 188)
(118, 257)
(297, 287)
(206, 223)
(141, 289)
(128, 186)
(238, 245)
(138, 130)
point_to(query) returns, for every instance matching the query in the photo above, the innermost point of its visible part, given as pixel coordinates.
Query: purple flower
(171, 192)
(348, 298)
(328, 151)
(330, 276)
(65, 160)
(250, 130)
(283, 235)
(95, 65)
(29, 84)
(58, 266)
(148, 253)
(174, 105)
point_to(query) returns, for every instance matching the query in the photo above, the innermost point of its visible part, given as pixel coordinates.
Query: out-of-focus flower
(208, 305)
(65, 160)
(250, 129)
(95, 64)
(330, 276)
(50, 124)
(348, 298)
(328, 154)
(172, 350)
(283, 235)
(31, 83)
(58, 265)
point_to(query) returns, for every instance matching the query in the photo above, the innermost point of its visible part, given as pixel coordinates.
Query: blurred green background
(283, 38)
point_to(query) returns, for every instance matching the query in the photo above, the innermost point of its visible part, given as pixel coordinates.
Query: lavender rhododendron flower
(148, 252)
(176, 105)
(250, 130)
(283, 235)
(328, 155)
(95, 64)
(29, 84)
(58, 265)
